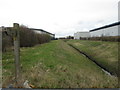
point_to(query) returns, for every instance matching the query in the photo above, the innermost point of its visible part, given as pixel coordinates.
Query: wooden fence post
(1, 57)
(17, 53)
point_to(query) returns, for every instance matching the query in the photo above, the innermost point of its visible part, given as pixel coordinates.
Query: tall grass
(104, 53)
(56, 65)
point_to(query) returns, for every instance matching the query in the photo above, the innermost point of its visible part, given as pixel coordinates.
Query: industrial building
(79, 35)
(41, 31)
(108, 30)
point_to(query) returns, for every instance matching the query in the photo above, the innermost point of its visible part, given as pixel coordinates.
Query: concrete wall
(110, 31)
(81, 34)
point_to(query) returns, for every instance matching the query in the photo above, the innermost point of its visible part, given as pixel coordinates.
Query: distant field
(104, 53)
(57, 65)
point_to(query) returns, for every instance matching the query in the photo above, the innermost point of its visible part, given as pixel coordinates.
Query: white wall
(118, 30)
(110, 31)
(81, 34)
(43, 33)
(0, 28)
(39, 32)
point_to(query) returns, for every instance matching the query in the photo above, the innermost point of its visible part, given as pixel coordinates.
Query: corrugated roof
(34, 29)
(106, 26)
(41, 30)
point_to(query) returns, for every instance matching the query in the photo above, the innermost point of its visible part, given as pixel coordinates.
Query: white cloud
(62, 17)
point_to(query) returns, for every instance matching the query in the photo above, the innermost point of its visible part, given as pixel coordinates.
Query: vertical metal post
(17, 53)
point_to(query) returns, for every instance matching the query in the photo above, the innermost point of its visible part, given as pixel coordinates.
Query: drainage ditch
(84, 54)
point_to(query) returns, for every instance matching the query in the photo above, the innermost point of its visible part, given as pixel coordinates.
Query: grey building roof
(41, 30)
(106, 26)
(33, 29)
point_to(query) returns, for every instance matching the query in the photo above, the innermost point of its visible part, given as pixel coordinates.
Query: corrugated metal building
(108, 30)
(79, 35)
(41, 31)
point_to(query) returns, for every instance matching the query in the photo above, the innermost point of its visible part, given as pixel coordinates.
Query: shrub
(6, 41)
(28, 38)
(103, 38)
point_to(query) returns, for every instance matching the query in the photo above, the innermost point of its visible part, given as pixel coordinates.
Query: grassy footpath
(56, 65)
(104, 53)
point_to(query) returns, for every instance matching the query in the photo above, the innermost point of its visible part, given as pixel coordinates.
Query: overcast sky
(61, 17)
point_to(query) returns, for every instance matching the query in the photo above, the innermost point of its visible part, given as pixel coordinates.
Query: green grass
(104, 53)
(56, 65)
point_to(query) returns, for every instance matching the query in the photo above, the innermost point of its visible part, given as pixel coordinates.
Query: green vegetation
(103, 38)
(28, 38)
(104, 53)
(56, 65)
